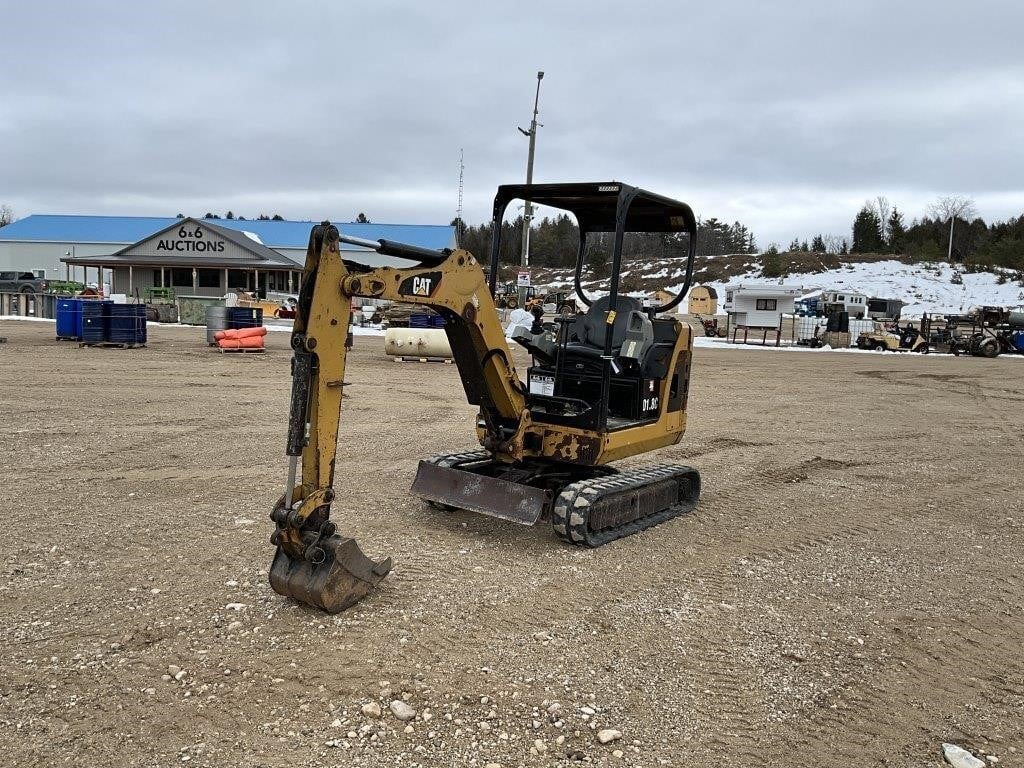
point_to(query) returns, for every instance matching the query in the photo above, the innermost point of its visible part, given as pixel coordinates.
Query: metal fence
(43, 305)
(793, 330)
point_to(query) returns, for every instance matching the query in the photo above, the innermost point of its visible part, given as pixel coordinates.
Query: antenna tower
(458, 211)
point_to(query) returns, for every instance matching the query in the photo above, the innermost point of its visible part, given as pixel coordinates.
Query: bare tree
(6, 215)
(833, 243)
(953, 207)
(882, 208)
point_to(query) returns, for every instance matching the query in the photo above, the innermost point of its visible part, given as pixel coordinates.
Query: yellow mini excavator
(604, 385)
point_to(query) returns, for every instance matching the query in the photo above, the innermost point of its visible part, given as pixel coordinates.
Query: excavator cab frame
(602, 208)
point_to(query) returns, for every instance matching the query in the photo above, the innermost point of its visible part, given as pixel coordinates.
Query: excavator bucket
(342, 578)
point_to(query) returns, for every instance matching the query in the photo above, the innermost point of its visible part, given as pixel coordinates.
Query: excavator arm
(313, 563)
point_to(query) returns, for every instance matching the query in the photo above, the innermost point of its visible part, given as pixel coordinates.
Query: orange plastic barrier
(240, 333)
(247, 342)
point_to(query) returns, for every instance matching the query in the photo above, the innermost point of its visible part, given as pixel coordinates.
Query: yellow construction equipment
(605, 384)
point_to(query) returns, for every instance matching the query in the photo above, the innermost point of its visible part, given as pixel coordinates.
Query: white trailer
(849, 301)
(759, 306)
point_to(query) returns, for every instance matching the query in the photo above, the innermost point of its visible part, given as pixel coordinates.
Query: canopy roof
(594, 204)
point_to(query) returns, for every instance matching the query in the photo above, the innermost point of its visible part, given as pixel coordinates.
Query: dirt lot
(849, 591)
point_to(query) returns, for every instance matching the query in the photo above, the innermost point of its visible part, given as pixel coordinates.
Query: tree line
(230, 215)
(950, 229)
(555, 241)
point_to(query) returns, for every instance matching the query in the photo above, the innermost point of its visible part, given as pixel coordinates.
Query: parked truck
(22, 282)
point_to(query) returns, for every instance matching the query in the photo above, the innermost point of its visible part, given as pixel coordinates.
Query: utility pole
(528, 210)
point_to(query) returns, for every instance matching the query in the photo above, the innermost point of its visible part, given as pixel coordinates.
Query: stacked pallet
(240, 339)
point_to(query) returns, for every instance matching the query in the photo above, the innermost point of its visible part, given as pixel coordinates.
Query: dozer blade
(343, 578)
(491, 496)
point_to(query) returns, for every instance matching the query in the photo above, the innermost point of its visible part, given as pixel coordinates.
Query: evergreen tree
(897, 232)
(845, 250)
(867, 232)
(818, 244)
(803, 247)
(180, 216)
(460, 231)
(795, 245)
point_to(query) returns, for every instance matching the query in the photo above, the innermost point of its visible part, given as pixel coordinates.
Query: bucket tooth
(344, 576)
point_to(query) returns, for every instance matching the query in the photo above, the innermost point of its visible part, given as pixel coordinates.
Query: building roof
(164, 261)
(119, 230)
(257, 254)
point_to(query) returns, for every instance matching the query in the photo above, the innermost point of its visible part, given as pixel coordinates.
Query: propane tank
(416, 342)
(1015, 319)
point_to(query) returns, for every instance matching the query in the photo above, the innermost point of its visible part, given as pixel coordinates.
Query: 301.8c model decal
(424, 285)
(650, 403)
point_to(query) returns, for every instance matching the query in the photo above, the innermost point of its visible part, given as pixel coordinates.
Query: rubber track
(451, 459)
(579, 496)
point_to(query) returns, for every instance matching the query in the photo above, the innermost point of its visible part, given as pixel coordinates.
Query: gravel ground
(848, 592)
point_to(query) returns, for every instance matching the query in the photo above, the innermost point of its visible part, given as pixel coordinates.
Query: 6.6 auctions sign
(190, 239)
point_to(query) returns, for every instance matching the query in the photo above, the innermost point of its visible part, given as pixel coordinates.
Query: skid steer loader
(605, 384)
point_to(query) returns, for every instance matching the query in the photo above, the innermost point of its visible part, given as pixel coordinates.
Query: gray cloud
(783, 117)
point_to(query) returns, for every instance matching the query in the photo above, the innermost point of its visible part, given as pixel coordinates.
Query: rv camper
(759, 306)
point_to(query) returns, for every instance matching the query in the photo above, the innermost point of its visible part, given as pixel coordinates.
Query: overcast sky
(784, 115)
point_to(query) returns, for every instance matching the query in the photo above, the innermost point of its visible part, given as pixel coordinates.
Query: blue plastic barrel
(69, 319)
(95, 321)
(245, 317)
(1017, 339)
(419, 321)
(127, 324)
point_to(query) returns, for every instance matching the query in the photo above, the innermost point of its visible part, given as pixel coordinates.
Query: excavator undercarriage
(587, 506)
(607, 384)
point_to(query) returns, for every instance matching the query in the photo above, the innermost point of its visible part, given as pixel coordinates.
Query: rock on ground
(402, 711)
(959, 757)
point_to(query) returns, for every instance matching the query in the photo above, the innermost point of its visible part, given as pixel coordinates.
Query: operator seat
(591, 331)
